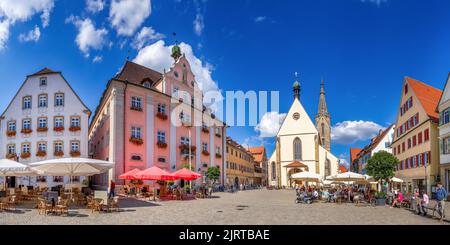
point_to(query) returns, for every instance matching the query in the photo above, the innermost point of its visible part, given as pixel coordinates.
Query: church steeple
(296, 88)
(323, 120)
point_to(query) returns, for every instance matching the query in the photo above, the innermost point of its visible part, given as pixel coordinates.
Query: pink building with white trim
(147, 119)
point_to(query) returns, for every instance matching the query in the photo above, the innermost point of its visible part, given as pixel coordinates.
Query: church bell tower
(323, 120)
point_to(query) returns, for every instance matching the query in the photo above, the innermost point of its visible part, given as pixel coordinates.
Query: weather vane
(175, 36)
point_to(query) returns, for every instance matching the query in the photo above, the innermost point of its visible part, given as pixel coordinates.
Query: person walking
(112, 189)
(423, 205)
(441, 196)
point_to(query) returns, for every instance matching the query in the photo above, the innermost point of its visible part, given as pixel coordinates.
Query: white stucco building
(444, 135)
(381, 142)
(45, 119)
(300, 145)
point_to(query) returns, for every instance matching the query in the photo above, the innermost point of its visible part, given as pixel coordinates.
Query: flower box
(41, 154)
(161, 116)
(135, 108)
(218, 135)
(185, 148)
(218, 155)
(42, 130)
(26, 131)
(11, 133)
(58, 153)
(25, 155)
(58, 129)
(10, 156)
(161, 144)
(75, 128)
(136, 141)
(205, 130)
(206, 153)
(75, 154)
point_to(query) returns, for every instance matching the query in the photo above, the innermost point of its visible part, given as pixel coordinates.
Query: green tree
(213, 174)
(381, 166)
(186, 165)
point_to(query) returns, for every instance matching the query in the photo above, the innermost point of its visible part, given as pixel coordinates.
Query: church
(301, 144)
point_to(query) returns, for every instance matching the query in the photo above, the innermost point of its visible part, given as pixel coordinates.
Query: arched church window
(297, 149)
(323, 129)
(327, 167)
(184, 75)
(274, 171)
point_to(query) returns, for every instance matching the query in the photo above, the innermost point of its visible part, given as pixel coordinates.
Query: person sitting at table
(398, 200)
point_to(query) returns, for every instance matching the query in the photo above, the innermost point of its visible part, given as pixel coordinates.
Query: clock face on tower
(296, 116)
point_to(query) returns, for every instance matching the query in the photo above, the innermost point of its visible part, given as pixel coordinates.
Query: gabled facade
(147, 119)
(46, 119)
(444, 135)
(416, 136)
(240, 165)
(381, 142)
(259, 153)
(298, 148)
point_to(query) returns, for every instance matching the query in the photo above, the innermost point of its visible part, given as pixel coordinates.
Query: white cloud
(199, 24)
(157, 56)
(97, 59)
(146, 35)
(95, 6)
(260, 19)
(376, 2)
(126, 16)
(343, 160)
(349, 132)
(270, 124)
(12, 11)
(88, 36)
(32, 35)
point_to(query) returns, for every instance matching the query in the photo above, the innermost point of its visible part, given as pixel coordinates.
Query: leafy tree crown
(381, 165)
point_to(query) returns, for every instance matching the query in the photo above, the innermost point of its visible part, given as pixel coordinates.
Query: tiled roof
(429, 96)
(354, 153)
(296, 164)
(44, 71)
(135, 73)
(342, 169)
(257, 152)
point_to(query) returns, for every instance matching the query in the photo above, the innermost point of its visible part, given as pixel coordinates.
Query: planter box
(381, 201)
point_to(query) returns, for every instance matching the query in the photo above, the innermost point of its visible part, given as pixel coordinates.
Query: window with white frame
(161, 136)
(136, 103)
(75, 121)
(26, 148)
(43, 81)
(26, 103)
(11, 149)
(59, 99)
(59, 146)
(75, 146)
(184, 140)
(59, 122)
(42, 147)
(161, 108)
(218, 150)
(43, 101)
(136, 132)
(12, 126)
(42, 122)
(26, 124)
(205, 146)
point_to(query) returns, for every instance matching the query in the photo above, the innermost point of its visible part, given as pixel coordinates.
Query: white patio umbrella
(307, 176)
(397, 180)
(348, 176)
(13, 168)
(71, 167)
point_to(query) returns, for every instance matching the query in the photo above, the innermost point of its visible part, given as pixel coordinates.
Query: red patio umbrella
(129, 175)
(154, 173)
(186, 174)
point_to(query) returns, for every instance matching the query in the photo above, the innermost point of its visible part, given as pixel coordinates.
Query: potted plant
(58, 129)
(25, 155)
(41, 154)
(218, 155)
(136, 141)
(26, 131)
(381, 167)
(206, 153)
(11, 133)
(10, 156)
(42, 130)
(205, 130)
(59, 153)
(74, 128)
(161, 144)
(136, 108)
(161, 116)
(75, 153)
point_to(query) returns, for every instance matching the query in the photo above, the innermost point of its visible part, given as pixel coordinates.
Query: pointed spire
(323, 110)
(296, 87)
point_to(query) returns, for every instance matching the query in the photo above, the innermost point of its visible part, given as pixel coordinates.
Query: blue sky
(362, 49)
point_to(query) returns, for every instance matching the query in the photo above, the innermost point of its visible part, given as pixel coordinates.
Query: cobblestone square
(257, 207)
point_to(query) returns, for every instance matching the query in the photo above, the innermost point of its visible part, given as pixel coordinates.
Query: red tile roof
(342, 169)
(258, 153)
(354, 153)
(135, 73)
(296, 164)
(428, 96)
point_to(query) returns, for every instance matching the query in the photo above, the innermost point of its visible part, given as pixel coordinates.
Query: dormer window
(43, 81)
(147, 84)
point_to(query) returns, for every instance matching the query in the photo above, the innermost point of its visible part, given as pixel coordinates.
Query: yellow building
(240, 164)
(416, 142)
